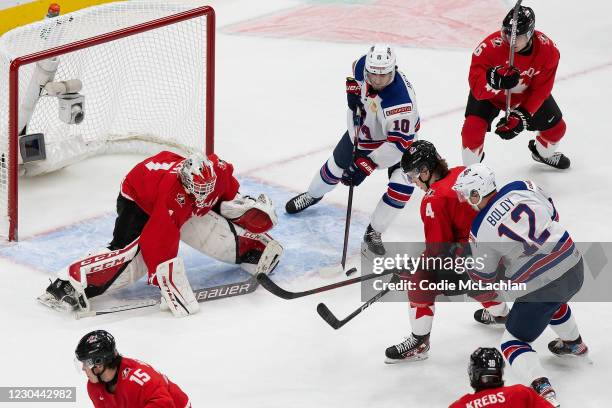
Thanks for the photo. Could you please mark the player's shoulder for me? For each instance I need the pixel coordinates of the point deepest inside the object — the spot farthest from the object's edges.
(444, 187)
(138, 369)
(492, 43)
(461, 402)
(398, 97)
(164, 157)
(220, 165)
(544, 42)
(547, 52)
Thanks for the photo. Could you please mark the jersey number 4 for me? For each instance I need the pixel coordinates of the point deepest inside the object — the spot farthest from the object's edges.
(530, 248)
(429, 211)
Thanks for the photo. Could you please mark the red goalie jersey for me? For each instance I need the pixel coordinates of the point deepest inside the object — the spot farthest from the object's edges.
(138, 386)
(538, 68)
(155, 186)
(513, 396)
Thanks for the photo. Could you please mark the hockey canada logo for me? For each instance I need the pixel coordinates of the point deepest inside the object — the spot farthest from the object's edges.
(180, 199)
(126, 373)
(497, 42)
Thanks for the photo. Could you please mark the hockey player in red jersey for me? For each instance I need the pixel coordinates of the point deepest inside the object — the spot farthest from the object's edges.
(446, 223)
(530, 82)
(163, 200)
(486, 371)
(115, 381)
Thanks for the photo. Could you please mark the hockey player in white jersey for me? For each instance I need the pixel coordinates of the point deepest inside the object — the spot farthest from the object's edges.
(517, 230)
(389, 125)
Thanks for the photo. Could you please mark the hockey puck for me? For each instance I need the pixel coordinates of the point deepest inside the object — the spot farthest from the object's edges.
(351, 271)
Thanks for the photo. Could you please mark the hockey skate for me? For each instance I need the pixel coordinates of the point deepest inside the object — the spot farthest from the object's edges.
(570, 349)
(557, 160)
(300, 202)
(542, 386)
(60, 296)
(483, 316)
(413, 348)
(373, 240)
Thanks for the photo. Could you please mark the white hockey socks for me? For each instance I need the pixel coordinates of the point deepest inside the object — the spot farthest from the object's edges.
(326, 179)
(175, 288)
(421, 317)
(522, 358)
(564, 324)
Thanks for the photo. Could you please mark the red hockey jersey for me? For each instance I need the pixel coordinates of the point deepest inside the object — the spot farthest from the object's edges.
(537, 69)
(445, 218)
(155, 186)
(138, 386)
(513, 396)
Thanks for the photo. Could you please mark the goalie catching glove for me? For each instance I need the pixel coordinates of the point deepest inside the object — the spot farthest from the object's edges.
(255, 215)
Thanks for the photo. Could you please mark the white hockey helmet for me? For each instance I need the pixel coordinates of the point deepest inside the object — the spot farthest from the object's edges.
(380, 59)
(197, 175)
(475, 180)
(380, 66)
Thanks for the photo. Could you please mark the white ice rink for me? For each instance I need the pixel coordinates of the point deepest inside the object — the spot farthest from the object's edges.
(280, 108)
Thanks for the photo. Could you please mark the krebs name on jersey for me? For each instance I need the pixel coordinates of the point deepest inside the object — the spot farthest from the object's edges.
(498, 212)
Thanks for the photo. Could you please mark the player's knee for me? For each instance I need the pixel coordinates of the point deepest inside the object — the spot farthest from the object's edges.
(343, 152)
(473, 131)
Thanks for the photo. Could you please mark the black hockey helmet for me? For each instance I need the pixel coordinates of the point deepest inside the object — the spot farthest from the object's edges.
(486, 369)
(525, 22)
(420, 156)
(97, 347)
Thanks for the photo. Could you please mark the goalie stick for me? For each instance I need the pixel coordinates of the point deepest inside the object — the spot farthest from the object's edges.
(201, 295)
(273, 288)
(333, 321)
(511, 52)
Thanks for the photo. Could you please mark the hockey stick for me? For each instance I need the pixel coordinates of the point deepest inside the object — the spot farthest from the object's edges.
(336, 270)
(511, 56)
(273, 288)
(333, 321)
(201, 295)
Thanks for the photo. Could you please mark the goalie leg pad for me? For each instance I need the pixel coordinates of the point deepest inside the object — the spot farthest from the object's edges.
(106, 270)
(175, 288)
(217, 237)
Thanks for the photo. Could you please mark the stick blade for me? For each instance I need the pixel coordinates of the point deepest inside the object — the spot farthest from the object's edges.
(328, 316)
(265, 281)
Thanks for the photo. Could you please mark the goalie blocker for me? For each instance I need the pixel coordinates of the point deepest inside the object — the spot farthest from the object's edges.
(163, 200)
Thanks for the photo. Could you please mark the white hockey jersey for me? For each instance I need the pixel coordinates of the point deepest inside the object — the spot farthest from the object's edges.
(391, 118)
(520, 227)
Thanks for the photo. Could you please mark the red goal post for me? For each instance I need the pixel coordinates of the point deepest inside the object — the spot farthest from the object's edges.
(147, 82)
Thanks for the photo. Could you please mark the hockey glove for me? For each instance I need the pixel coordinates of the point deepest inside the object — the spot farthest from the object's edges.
(361, 168)
(353, 94)
(503, 77)
(518, 120)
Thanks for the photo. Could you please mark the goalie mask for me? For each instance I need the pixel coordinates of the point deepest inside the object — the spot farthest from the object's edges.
(198, 176)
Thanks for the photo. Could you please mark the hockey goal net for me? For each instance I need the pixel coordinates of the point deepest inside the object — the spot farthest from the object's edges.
(134, 76)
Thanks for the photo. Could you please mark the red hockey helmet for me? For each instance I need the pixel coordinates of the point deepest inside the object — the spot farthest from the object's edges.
(197, 175)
